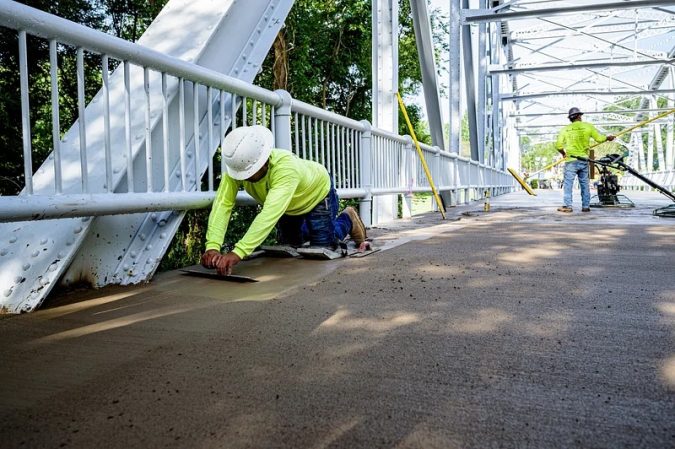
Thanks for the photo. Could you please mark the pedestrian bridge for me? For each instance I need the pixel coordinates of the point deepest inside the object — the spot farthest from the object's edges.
(516, 327)
(504, 325)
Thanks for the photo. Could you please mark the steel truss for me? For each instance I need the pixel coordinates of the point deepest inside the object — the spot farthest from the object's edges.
(613, 59)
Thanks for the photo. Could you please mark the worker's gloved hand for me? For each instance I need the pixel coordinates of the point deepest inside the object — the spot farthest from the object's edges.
(225, 263)
(364, 246)
(610, 137)
(209, 258)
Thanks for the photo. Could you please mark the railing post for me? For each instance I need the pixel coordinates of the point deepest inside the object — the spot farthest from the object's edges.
(408, 176)
(437, 177)
(366, 173)
(282, 121)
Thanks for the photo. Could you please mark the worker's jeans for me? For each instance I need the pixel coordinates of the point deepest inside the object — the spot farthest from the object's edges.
(572, 170)
(321, 226)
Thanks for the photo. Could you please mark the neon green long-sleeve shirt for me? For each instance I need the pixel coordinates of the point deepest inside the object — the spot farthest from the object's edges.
(575, 139)
(292, 186)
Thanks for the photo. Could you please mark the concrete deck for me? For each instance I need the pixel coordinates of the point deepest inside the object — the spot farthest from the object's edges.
(521, 328)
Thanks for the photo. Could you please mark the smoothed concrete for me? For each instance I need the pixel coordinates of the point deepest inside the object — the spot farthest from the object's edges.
(518, 328)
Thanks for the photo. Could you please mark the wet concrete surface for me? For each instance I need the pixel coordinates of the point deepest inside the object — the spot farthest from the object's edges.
(520, 328)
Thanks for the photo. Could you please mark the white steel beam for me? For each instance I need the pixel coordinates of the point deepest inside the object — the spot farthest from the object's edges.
(554, 67)
(454, 70)
(521, 97)
(489, 15)
(624, 111)
(385, 86)
(470, 87)
(425, 50)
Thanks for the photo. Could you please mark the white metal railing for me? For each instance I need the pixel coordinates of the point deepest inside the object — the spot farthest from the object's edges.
(665, 178)
(152, 151)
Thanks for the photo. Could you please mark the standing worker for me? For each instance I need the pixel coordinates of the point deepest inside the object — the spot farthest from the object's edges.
(574, 140)
(297, 196)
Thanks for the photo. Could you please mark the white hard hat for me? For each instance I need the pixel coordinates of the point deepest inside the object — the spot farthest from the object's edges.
(246, 149)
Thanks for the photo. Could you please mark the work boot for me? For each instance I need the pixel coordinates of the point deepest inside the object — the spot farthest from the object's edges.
(564, 209)
(358, 231)
(586, 209)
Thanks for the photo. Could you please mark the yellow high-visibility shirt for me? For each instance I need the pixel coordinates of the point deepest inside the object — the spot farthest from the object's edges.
(575, 139)
(292, 186)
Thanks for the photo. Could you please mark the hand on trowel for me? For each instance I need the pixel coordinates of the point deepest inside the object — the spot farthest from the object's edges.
(223, 263)
(364, 246)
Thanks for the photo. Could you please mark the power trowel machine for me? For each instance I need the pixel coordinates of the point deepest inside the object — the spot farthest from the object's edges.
(608, 187)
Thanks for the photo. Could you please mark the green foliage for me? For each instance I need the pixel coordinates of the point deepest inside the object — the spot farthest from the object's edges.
(535, 157)
(130, 18)
(328, 53)
(39, 82)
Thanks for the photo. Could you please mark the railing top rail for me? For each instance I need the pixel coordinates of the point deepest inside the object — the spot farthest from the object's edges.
(316, 112)
(389, 135)
(24, 18)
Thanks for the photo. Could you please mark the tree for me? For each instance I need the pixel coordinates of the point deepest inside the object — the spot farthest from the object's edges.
(11, 165)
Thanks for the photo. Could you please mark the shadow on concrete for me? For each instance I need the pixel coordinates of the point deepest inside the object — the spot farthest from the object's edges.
(495, 333)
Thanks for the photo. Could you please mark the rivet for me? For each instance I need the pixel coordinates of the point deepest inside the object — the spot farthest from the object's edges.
(18, 279)
(162, 235)
(125, 267)
(3, 252)
(43, 241)
(34, 295)
(60, 255)
(12, 240)
(148, 248)
(52, 267)
(70, 242)
(133, 254)
(35, 253)
(142, 237)
(139, 136)
(44, 281)
(161, 223)
(153, 216)
(77, 230)
(26, 266)
(7, 292)
(116, 170)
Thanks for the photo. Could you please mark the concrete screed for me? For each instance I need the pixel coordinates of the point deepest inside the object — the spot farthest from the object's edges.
(521, 328)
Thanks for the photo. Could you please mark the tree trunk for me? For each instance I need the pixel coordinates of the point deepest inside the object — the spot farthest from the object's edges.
(280, 67)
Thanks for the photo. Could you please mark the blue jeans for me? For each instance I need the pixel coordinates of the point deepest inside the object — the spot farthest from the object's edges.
(573, 169)
(321, 226)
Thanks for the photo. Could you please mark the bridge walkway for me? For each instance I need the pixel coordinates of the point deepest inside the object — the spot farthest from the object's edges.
(517, 328)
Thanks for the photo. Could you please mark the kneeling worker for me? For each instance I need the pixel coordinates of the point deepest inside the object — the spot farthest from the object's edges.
(296, 194)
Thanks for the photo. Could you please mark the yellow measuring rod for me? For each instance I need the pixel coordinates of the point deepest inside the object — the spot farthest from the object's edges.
(421, 155)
